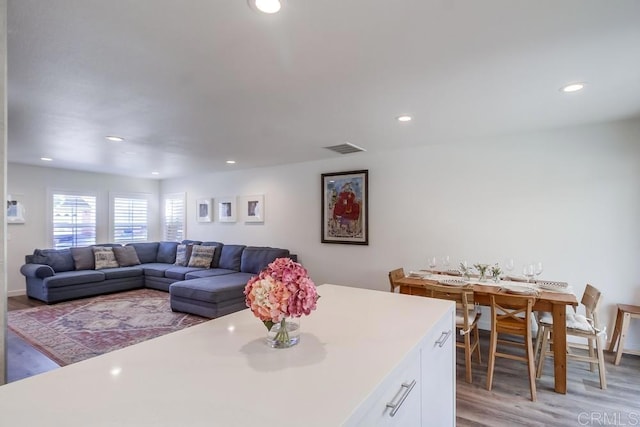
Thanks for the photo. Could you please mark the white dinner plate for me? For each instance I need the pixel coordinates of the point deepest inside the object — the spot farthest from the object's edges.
(419, 273)
(453, 282)
(517, 278)
(519, 290)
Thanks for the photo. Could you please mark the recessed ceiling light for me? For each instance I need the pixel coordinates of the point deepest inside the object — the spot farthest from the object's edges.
(231, 162)
(573, 87)
(404, 118)
(155, 173)
(113, 138)
(266, 6)
(46, 159)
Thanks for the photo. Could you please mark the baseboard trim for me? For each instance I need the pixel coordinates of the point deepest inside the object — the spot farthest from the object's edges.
(16, 293)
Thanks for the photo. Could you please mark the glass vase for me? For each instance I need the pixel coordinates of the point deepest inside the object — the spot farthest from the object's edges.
(285, 333)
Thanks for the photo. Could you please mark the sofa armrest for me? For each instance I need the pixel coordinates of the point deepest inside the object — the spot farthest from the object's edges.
(37, 270)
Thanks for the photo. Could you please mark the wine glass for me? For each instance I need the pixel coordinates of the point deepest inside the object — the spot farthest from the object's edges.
(528, 271)
(446, 261)
(433, 261)
(538, 268)
(508, 265)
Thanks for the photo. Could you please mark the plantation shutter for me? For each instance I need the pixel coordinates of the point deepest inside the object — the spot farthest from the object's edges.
(74, 220)
(174, 218)
(130, 219)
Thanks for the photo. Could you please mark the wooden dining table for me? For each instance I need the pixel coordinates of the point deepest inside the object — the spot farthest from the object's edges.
(554, 302)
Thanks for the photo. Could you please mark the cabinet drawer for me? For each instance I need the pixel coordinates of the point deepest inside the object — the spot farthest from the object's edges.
(397, 400)
(438, 374)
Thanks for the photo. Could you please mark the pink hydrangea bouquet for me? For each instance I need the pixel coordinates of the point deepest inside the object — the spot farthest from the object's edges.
(282, 290)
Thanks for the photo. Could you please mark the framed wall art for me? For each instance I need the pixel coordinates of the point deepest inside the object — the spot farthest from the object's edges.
(253, 209)
(15, 209)
(227, 209)
(345, 212)
(203, 210)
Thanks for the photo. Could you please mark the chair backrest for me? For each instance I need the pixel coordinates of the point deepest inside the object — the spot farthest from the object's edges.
(591, 299)
(394, 275)
(512, 313)
(463, 297)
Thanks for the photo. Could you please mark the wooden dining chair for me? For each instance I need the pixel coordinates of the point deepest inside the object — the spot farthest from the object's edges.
(511, 315)
(467, 317)
(394, 275)
(579, 326)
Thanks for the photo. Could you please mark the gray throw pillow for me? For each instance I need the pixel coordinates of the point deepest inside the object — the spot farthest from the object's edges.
(201, 256)
(83, 258)
(126, 256)
(104, 258)
(183, 253)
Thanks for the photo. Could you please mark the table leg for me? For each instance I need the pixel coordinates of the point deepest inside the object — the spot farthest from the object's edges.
(616, 330)
(560, 348)
(623, 335)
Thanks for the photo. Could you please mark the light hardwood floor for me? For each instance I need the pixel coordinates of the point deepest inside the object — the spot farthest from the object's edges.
(508, 404)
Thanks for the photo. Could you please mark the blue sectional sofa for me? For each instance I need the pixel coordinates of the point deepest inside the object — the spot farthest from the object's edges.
(55, 275)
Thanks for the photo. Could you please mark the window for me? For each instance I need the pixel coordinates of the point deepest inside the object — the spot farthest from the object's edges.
(74, 220)
(129, 218)
(173, 224)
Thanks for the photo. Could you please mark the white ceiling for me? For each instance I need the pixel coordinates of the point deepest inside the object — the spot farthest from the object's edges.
(190, 84)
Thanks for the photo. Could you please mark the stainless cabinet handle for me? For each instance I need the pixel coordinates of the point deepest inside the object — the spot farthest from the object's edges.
(443, 338)
(395, 406)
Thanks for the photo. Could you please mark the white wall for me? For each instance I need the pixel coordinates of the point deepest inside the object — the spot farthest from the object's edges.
(32, 184)
(568, 198)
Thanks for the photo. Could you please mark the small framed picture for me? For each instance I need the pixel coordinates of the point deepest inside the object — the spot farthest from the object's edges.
(227, 209)
(203, 210)
(252, 209)
(345, 212)
(15, 210)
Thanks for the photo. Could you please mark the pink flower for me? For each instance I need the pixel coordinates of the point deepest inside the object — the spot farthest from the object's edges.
(282, 289)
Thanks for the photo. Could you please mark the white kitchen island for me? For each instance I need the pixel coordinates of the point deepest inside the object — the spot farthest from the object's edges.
(360, 350)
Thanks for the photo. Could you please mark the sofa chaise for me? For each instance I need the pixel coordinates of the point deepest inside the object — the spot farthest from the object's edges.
(202, 278)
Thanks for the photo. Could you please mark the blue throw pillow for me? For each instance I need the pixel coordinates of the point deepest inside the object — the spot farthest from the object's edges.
(58, 259)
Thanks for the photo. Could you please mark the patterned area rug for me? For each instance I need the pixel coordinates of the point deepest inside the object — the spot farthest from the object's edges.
(72, 331)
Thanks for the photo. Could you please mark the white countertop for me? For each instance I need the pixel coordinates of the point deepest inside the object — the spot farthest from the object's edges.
(222, 372)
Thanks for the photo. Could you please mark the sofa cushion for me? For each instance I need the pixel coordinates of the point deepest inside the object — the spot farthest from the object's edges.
(104, 257)
(167, 252)
(216, 256)
(156, 269)
(126, 256)
(67, 278)
(201, 256)
(58, 259)
(210, 272)
(83, 258)
(231, 256)
(122, 272)
(178, 272)
(108, 245)
(146, 252)
(255, 259)
(183, 253)
(212, 289)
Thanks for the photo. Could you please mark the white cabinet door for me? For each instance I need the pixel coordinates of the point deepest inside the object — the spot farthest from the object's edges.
(438, 374)
(397, 401)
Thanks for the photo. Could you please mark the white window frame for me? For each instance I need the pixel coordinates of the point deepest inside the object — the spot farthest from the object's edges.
(50, 217)
(112, 226)
(173, 196)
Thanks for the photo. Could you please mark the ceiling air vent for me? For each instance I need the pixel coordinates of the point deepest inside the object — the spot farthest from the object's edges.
(346, 148)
